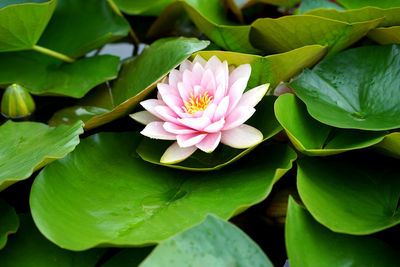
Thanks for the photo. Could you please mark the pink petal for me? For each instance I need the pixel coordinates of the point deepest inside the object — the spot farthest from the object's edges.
(213, 64)
(185, 65)
(144, 117)
(221, 109)
(156, 130)
(166, 90)
(236, 92)
(184, 90)
(253, 96)
(241, 137)
(175, 153)
(175, 103)
(150, 105)
(210, 142)
(210, 111)
(208, 81)
(166, 114)
(219, 94)
(200, 60)
(177, 129)
(196, 123)
(198, 69)
(243, 71)
(188, 140)
(191, 78)
(238, 117)
(174, 77)
(282, 88)
(222, 75)
(215, 127)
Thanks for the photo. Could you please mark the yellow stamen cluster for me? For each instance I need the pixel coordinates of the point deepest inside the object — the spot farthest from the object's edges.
(197, 103)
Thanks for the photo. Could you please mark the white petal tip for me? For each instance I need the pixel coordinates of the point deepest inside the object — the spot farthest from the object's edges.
(175, 154)
(241, 137)
(144, 117)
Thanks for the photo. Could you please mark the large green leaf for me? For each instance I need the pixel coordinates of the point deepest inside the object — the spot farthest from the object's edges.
(43, 75)
(310, 244)
(391, 145)
(28, 248)
(350, 197)
(264, 120)
(272, 69)
(9, 222)
(290, 32)
(385, 35)
(84, 26)
(391, 16)
(355, 4)
(209, 17)
(214, 242)
(314, 138)
(307, 5)
(23, 22)
(144, 8)
(27, 146)
(137, 79)
(84, 200)
(358, 88)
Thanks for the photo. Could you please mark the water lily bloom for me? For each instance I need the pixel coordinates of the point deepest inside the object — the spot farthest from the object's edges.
(201, 105)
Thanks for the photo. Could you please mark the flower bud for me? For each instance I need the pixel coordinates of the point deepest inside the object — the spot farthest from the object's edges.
(17, 102)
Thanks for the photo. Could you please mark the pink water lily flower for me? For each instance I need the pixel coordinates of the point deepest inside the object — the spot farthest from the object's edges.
(201, 105)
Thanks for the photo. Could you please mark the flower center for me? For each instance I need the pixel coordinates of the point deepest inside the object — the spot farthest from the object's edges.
(197, 103)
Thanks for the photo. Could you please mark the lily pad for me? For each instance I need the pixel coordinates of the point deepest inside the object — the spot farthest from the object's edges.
(314, 138)
(355, 4)
(214, 242)
(43, 75)
(310, 244)
(277, 35)
(9, 222)
(391, 15)
(308, 5)
(94, 24)
(350, 197)
(143, 8)
(208, 16)
(28, 146)
(141, 203)
(390, 145)
(356, 89)
(385, 35)
(263, 119)
(272, 69)
(22, 23)
(29, 248)
(136, 80)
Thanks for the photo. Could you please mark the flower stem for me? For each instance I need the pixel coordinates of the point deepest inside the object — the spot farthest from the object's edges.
(52, 53)
(119, 13)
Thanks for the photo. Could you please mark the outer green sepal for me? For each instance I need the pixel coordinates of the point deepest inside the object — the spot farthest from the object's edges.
(17, 102)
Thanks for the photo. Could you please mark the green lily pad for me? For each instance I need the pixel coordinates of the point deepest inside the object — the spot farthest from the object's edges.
(141, 203)
(263, 119)
(276, 35)
(28, 146)
(85, 25)
(136, 80)
(202, 245)
(314, 138)
(355, 4)
(308, 5)
(390, 145)
(272, 69)
(9, 222)
(350, 197)
(385, 35)
(143, 8)
(356, 89)
(43, 75)
(391, 16)
(310, 244)
(29, 248)
(23, 22)
(209, 18)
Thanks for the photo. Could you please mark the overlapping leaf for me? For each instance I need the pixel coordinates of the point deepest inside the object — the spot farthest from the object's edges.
(214, 242)
(355, 4)
(391, 145)
(28, 146)
(350, 197)
(310, 244)
(356, 89)
(307, 5)
(385, 35)
(314, 138)
(29, 248)
(9, 222)
(84, 201)
(143, 8)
